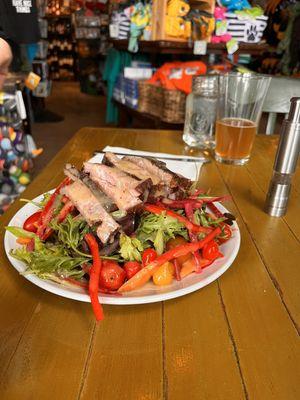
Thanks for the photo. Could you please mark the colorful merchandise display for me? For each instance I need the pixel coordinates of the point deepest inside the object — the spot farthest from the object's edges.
(16, 158)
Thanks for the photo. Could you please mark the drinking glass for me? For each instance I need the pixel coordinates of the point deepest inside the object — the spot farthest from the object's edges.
(241, 97)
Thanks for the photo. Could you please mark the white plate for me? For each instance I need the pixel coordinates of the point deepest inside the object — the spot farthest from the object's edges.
(148, 293)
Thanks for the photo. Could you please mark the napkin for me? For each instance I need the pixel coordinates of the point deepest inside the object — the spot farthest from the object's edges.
(188, 169)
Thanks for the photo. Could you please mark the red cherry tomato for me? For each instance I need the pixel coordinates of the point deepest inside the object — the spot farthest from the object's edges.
(226, 233)
(148, 256)
(31, 223)
(211, 251)
(112, 276)
(131, 268)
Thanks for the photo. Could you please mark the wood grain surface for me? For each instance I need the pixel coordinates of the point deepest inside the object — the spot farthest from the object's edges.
(236, 339)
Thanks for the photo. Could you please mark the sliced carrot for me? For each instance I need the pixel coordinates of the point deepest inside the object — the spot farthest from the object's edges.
(142, 277)
(25, 241)
(190, 266)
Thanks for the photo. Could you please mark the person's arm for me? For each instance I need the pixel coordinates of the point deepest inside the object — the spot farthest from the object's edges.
(5, 58)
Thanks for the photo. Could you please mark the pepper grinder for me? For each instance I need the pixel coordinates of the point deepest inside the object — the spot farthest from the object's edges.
(285, 162)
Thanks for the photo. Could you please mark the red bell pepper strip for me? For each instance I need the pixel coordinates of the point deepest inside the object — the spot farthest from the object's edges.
(177, 269)
(140, 278)
(215, 209)
(193, 237)
(189, 225)
(208, 199)
(182, 203)
(94, 276)
(67, 209)
(30, 246)
(48, 210)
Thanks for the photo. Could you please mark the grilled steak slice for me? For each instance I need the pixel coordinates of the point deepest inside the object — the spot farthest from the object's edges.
(91, 210)
(122, 188)
(76, 175)
(158, 168)
(129, 167)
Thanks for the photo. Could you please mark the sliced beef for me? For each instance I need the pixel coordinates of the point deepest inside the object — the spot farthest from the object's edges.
(124, 190)
(91, 210)
(158, 168)
(76, 175)
(129, 168)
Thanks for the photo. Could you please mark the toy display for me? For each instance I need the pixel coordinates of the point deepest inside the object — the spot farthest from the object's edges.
(234, 5)
(140, 17)
(16, 160)
(176, 25)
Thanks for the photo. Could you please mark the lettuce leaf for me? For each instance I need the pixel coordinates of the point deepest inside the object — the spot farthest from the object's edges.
(50, 259)
(156, 230)
(130, 248)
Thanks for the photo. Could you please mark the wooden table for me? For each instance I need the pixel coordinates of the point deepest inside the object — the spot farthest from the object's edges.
(237, 338)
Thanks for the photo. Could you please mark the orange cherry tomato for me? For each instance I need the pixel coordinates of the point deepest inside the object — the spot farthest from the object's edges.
(164, 275)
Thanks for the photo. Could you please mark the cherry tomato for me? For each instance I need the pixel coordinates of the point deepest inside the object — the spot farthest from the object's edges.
(211, 251)
(31, 223)
(112, 276)
(131, 268)
(148, 256)
(226, 233)
(164, 275)
(177, 241)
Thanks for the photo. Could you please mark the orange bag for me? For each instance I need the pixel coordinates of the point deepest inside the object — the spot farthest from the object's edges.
(178, 75)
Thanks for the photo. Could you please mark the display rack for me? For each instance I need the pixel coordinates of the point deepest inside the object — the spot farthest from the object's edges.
(61, 52)
(171, 47)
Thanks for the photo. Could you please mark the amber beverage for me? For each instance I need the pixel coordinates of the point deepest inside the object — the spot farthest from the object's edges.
(234, 139)
(240, 103)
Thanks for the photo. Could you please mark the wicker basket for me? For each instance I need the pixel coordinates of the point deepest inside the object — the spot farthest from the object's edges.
(150, 98)
(173, 106)
(168, 105)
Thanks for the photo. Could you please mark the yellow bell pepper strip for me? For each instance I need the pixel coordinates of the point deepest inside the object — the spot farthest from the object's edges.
(94, 276)
(154, 209)
(140, 278)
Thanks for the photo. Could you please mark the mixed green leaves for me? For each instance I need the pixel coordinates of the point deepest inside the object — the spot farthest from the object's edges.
(60, 256)
(71, 233)
(130, 248)
(202, 218)
(39, 204)
(50, 260)
(156, 230)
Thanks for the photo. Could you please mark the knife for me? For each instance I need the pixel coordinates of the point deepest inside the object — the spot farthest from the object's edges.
(187, 159)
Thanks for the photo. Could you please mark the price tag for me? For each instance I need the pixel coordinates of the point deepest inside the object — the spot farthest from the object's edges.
(200, 47)
(232, 46)
(113, 31)
(32, 80)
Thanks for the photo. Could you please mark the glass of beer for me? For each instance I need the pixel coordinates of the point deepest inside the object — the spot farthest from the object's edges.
(241, 98)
